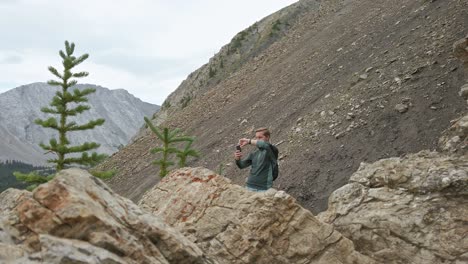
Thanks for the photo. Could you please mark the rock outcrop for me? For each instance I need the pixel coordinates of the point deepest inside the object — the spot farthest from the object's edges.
(406, 210)
(233, 225)
(455, 139)
(399, 210)
(76, 218)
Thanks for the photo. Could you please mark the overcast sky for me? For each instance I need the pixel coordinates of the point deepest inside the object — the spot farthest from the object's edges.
(147, 47)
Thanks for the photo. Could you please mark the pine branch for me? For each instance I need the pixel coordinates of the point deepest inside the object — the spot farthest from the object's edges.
(80, 74)
(85, 159)
(62, 55)
(182, 139)
(90, 125)
(69, 48)
(153, 128)
(48, 148)
(165, 137)
(57, 101)
(157, 150)
(33, 177)
(72, 83)
(81, 59)
(192, 153)
(49, 110)
(55, 72)
(83, 147)
(172, 150)
(54, 83)
(52, 160)
(86, 91)
(67, 64)
(77, 110)
(72, 47)
(174, 132)
(50, 123)
(67, 75)
(67, 97)
(187, 152)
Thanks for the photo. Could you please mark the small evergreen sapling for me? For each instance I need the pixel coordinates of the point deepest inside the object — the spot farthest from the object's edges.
(169, 138)
(66, 104)
(185, 153)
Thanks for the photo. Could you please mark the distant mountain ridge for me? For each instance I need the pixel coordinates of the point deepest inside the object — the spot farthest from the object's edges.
(20, 106)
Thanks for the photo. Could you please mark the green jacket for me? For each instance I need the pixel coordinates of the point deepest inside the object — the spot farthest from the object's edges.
(261, 172)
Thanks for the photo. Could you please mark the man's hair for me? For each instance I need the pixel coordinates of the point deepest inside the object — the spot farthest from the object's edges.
(265, 131)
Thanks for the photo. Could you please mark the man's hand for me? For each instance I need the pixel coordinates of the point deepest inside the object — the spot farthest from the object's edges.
(237, 155)
(243, 141)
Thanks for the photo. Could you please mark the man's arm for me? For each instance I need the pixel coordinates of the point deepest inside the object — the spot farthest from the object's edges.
(258, 143)
(242, 164)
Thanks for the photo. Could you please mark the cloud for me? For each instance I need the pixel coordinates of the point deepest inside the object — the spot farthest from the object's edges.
(32, 68)
(144, 46)
(147, 88)
(10, 59)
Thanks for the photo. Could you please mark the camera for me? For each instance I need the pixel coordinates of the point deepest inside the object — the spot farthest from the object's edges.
(238, 147)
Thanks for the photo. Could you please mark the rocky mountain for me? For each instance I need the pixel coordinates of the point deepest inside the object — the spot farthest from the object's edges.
(349, 82)
(19, 107)
(243, 47)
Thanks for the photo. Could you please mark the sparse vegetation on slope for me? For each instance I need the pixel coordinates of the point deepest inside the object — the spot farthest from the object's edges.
(170, 139)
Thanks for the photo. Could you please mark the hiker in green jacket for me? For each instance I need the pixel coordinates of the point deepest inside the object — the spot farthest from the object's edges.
(261, 173)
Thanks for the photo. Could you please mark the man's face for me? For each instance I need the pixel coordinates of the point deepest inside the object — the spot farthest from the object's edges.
(260, 136)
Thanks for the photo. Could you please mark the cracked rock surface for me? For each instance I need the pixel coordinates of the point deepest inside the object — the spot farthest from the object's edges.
(76, 218)
(406, 210)
(233, 225)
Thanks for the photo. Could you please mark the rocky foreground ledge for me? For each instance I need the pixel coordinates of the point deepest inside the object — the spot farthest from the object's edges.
(76, 218)
(233, 225)
(406, 210)
(399, 210)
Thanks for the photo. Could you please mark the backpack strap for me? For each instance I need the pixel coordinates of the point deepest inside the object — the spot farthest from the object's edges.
(274, 149)
(274, 160)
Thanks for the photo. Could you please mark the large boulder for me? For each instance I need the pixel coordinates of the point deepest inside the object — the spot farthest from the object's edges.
(76, 218)
(233, 225)
(406, 210)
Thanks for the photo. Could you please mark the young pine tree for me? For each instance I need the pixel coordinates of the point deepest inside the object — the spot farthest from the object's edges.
(185, 153)
(66, 104)
(168, 138)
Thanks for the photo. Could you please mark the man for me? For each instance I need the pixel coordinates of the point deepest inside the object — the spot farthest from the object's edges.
(262, 161)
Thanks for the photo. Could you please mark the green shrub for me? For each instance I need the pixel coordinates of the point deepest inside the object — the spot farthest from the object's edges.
(169, 139)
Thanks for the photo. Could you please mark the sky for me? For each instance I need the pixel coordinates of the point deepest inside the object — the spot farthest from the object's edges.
(147, 47)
